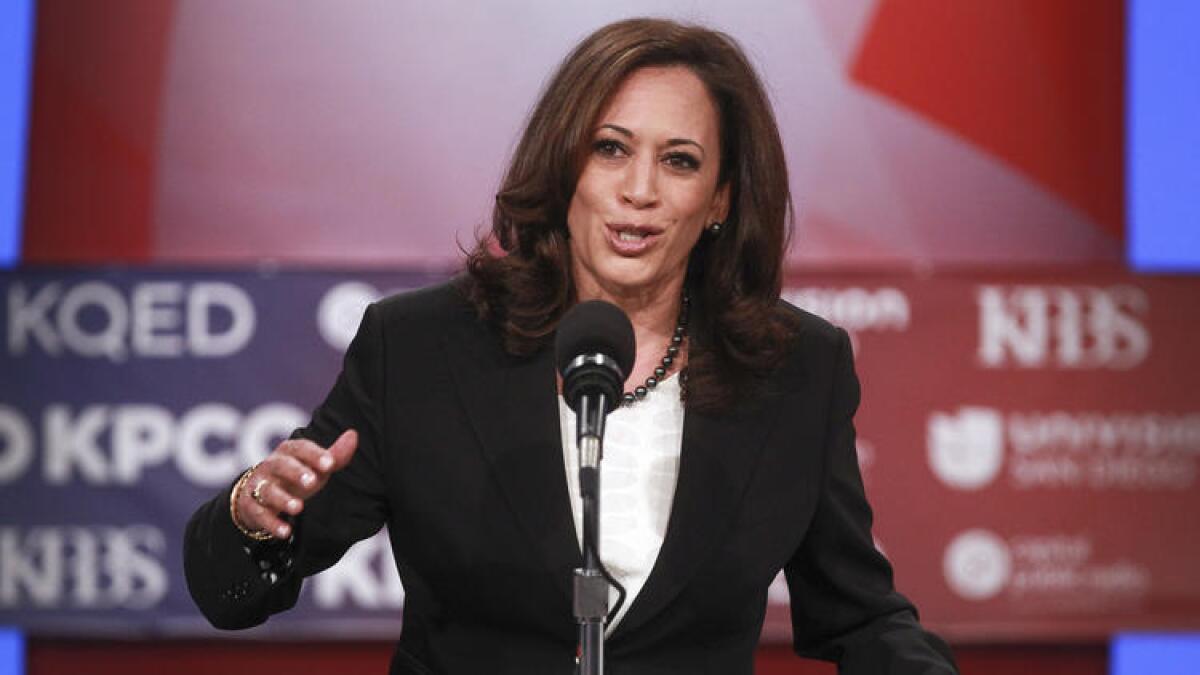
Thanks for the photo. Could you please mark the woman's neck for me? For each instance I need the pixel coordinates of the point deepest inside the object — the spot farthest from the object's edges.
(654, 314)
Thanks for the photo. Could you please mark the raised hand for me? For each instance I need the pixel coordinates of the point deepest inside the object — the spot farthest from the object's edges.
(294, 471)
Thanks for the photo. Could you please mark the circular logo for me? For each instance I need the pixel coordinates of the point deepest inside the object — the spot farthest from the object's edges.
(966, 449)
(341, 310)
(977, 564)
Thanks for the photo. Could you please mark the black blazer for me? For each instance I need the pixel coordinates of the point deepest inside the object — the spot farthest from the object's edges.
(460, 455)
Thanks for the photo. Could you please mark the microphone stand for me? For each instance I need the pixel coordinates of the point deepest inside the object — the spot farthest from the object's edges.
(591, 588)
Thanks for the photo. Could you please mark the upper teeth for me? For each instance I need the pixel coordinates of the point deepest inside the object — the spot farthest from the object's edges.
(630, 236)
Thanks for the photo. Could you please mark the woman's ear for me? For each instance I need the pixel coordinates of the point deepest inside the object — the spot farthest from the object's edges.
(719, 211)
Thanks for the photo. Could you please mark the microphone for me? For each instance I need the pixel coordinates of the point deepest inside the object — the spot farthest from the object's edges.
(594, 350)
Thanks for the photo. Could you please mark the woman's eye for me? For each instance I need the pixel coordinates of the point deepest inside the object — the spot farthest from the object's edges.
(682, 160)
(608, 148)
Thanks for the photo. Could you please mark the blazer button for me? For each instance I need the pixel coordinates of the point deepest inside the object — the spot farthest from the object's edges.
(237, 591)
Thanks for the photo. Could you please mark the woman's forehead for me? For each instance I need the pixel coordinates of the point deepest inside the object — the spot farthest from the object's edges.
(668, 100)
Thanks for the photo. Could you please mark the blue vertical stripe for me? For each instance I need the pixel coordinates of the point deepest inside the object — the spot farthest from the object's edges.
(12, 651)
(1155, 654)
(16, 57)
(1162, 166)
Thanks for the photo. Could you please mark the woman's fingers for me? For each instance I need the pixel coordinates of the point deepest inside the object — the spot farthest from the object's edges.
(264, 519)
(260, 502)
(343, 449)
(275, 499)
(299, 478)
(294, 471)
(312, 455)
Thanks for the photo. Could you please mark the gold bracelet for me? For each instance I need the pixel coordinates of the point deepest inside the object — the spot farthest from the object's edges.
(256, 535)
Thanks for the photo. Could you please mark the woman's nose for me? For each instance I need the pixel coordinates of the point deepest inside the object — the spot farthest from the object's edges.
(640, 187)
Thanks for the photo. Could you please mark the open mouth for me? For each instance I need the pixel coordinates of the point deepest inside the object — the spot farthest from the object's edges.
(632, 240)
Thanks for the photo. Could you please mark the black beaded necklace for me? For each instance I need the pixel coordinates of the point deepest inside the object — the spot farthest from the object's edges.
(668, 360)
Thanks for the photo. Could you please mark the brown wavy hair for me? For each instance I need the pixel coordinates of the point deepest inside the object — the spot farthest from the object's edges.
(519, 275)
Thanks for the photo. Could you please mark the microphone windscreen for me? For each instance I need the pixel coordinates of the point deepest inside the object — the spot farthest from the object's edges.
(595, 327)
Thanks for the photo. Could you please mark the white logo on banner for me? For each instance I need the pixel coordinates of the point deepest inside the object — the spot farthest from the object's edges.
(1057, 571)
(855, 309)
(86, 567)
(16, 443)
(865, 451)
(1065, 327)
(114, 445)
(1069, 450)
(158, 319)
(966, 449)
(977, 564)
(365, 577)
(341, 310)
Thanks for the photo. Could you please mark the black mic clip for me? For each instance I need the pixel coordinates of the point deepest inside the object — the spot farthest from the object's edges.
(592, 386)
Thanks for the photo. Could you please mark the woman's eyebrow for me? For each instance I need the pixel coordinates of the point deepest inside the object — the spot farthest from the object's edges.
(671, 142)
(620, 130)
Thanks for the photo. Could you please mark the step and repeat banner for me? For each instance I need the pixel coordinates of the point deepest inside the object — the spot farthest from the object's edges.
(1030, 442)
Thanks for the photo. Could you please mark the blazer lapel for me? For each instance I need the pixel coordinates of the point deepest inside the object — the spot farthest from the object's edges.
(716, 463)
(512, 405)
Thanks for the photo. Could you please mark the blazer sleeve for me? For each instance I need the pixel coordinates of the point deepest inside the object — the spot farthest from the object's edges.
(843, 603)
(232, 579)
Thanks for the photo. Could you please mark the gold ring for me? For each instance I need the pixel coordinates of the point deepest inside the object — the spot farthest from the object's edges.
(256, 491)
(256, 535)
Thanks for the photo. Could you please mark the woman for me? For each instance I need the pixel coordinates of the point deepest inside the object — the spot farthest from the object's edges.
(650, 175)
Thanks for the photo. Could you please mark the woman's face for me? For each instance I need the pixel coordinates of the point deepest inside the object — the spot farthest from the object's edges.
(648, 187)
